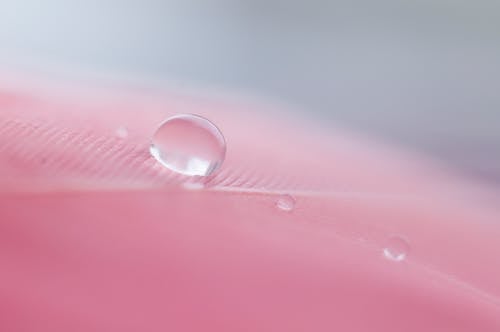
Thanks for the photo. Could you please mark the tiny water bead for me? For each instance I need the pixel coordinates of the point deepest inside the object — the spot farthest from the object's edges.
(189, 144)
(121, 132)
(285, 203)
(396, 249)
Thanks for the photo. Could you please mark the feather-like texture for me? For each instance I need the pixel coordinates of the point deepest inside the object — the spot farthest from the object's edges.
(96, 236)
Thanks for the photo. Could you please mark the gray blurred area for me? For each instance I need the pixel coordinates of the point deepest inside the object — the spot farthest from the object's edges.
(424, 74)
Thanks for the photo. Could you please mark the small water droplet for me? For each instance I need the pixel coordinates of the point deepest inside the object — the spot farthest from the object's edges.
(361, 240)
(189, 144)
(396, 249)
(121, 132)
(285, 203)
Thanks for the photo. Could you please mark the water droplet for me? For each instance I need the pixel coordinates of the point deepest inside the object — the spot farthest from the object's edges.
(189, 144)
(396, 249)
(285, 203)
(361, 240)
(121, 132)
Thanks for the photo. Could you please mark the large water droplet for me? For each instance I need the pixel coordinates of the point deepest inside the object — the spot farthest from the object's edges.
(285, 203)
(189, 144)
(396, 249)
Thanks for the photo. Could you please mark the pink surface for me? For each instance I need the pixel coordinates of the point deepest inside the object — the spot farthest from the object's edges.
(96, 236)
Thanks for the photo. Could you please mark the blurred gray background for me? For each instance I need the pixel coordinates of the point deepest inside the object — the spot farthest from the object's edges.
(425, 74)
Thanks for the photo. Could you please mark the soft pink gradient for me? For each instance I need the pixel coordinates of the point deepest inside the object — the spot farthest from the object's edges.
(96, 236)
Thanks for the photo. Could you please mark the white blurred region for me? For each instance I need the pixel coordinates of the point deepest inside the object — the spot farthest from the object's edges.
(425, 74)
